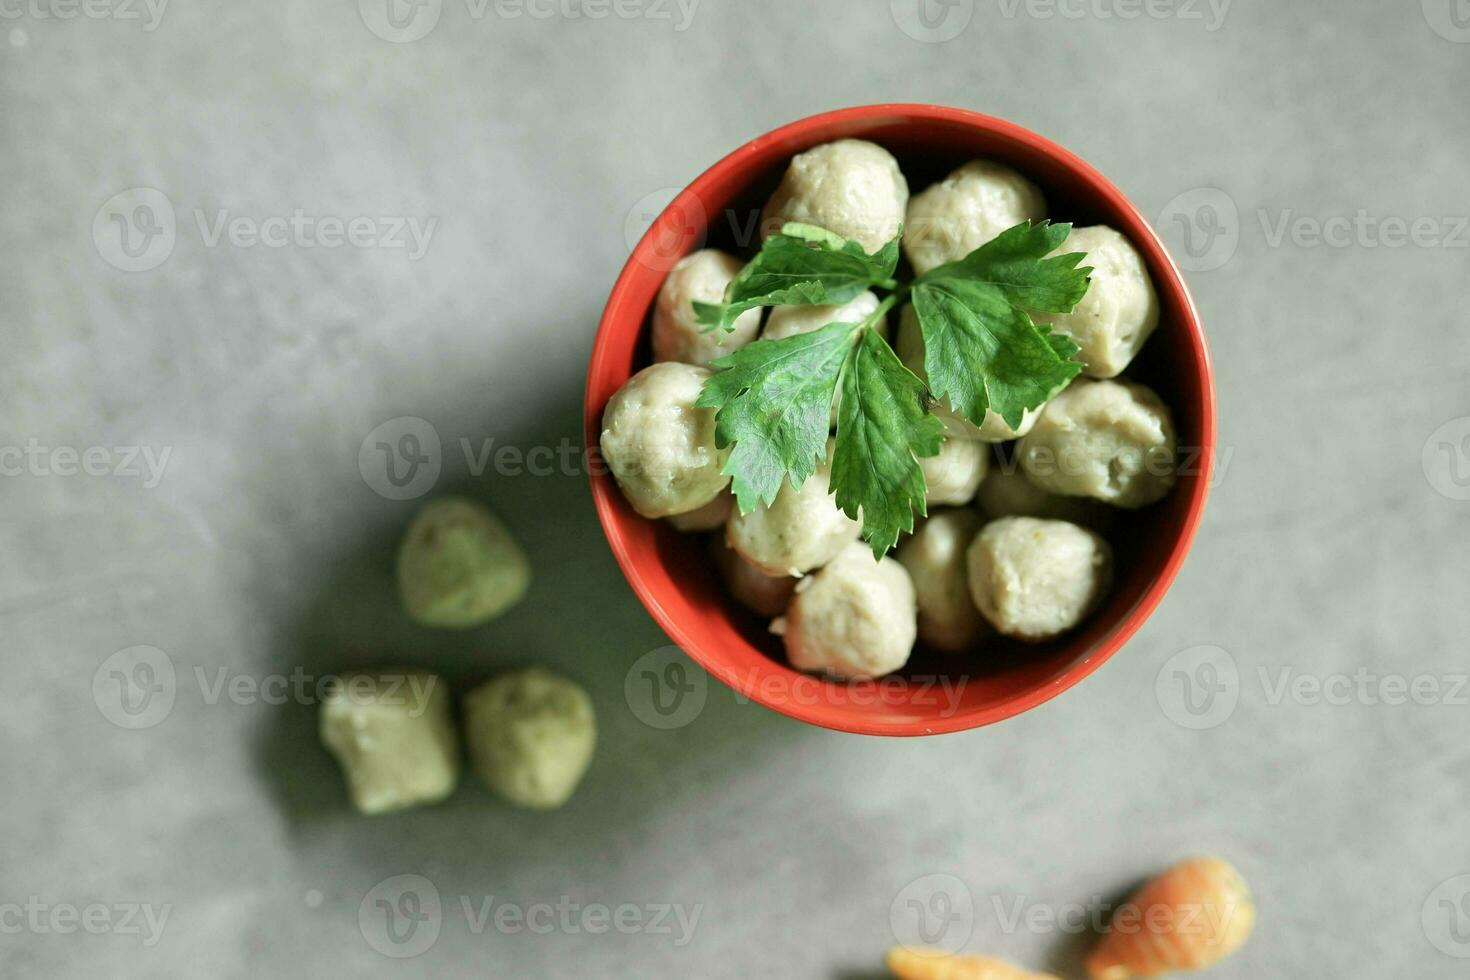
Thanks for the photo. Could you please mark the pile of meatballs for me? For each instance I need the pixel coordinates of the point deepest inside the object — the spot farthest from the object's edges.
(1012, 544)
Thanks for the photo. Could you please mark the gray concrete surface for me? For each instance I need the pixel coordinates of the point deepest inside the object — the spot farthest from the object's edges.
(1331, 566)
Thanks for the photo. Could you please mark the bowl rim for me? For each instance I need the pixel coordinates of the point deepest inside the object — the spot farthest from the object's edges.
(1098, 187)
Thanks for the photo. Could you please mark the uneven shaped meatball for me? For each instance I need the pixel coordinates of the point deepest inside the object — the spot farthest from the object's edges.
(677, 336)
(935, 558)
(531, 735)
(855, 619)
(949, 220)
(659, 447)
(954, 475)
(852, 188)
(391, 732)
(765, 595)
(1006, 492)
(1110, 440)
(712, 515)
(1120, 309)
(1035, 579)
(459, 566)
(802, 530)
(789, 321)
(910, 349)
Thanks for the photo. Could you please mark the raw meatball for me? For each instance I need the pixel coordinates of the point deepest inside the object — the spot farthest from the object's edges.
(910, 350)
(1110, 440)
(1120, 309)
(660, 448)
(949, 220)
(855, 619)
(852, 188)
(788, 321)
(391, 733)
(1035, 579)
(765, 595)
(935, 559)
(802, 530)
(531, 735)
(677, 336)
(1006, 492)
(954, 475)
(459, 567)
(706, 518)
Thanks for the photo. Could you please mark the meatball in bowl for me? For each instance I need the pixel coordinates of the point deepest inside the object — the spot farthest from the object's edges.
(1040, 539)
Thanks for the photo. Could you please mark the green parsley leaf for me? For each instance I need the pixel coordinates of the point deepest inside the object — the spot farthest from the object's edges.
(982, 350)
(883, 424)
(800, 265)
(775, 399)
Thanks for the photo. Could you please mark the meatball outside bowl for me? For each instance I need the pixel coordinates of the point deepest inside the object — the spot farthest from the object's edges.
(673, 573)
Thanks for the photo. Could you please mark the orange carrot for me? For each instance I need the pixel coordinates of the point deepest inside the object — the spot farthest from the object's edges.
(931, 964)
(1188, 917)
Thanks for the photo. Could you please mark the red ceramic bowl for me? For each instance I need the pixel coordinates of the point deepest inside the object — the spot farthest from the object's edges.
(672, 573)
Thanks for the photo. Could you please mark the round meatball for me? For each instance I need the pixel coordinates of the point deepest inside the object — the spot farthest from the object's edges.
(802, 530)
(659, 446)
(910, 349)
(459, 566)
(935, 558)
(677, 336)
(852, 188)
(1006, 492)
(765, 595)
(1035, 579)
(531, 735)
(788, 321)
(954, 475)
(1120, 308)
(855, 619)
(712, 515)
(1110, 440)
(949, 220)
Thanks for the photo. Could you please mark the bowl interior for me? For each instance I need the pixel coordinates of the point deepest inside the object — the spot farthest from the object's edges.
(672, 572)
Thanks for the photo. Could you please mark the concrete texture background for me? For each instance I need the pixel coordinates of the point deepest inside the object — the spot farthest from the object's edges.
(1332, 555)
